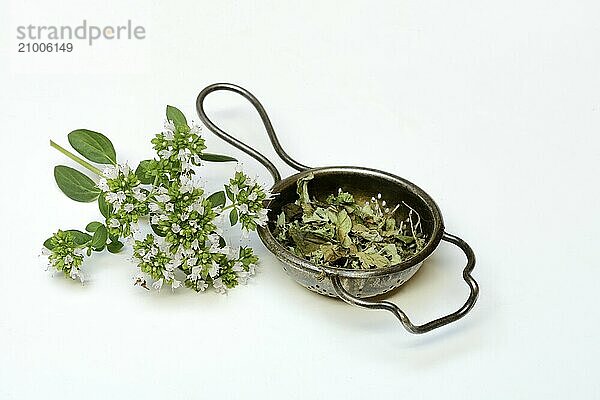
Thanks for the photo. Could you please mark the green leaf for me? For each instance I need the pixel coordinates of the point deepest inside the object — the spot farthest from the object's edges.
(230, 195)
(99, 238)
(144, 171)
(216, 157)
(319, 215)
(157, 231)
(93, 145)
(372, 259)
(367, 234)
(48, 243)
(392, 251)
(176, 116)
(292, 211)
(306, 242)
(331, 252)
(344, 225)
(366, 211)
(280, 221)
(405, 239)
(75, 185)
(93, 226)
(390, 224)
(217, 199)
(233, 217)
(80, 238)
(104, 206)
(114, 247)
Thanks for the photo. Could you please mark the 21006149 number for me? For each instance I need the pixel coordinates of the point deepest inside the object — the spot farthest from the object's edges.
(36, 47)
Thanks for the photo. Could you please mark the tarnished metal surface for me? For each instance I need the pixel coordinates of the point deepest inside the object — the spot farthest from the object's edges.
(363, 183)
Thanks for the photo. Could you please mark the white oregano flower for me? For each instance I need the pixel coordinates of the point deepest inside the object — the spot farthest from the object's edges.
(184, 244)
(103, 185)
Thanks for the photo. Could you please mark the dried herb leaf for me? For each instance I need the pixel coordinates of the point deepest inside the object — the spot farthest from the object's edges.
(280, 223)
(372, 259)
(344, 225)
(292, 211)
(342, 233)
(302, 188)
(306, 242)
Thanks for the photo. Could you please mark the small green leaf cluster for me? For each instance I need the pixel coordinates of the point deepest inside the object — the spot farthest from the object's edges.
(179, 146)
(247, 197)
(153, 258)
(220, 266)
(65, 252)
(181, 214)
(126, 199)
(186, 247)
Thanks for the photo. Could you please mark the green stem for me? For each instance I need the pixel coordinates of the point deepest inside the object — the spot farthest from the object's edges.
(78, 160)
(228, 207)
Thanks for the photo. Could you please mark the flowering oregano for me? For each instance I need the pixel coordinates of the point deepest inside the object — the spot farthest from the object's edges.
(184, 246)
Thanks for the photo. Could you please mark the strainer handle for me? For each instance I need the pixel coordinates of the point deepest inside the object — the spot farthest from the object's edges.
(236, 143)
(394, 309)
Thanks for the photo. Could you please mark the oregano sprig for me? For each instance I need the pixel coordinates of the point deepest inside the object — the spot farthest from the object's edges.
(184, 246)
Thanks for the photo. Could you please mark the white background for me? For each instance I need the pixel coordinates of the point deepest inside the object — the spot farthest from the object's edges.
(492, 107)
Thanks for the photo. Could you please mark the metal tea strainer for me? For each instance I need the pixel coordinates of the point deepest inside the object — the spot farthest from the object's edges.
(351, 285)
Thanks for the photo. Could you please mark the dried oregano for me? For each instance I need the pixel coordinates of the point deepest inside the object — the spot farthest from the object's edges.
(183, 244)
(339, 232)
